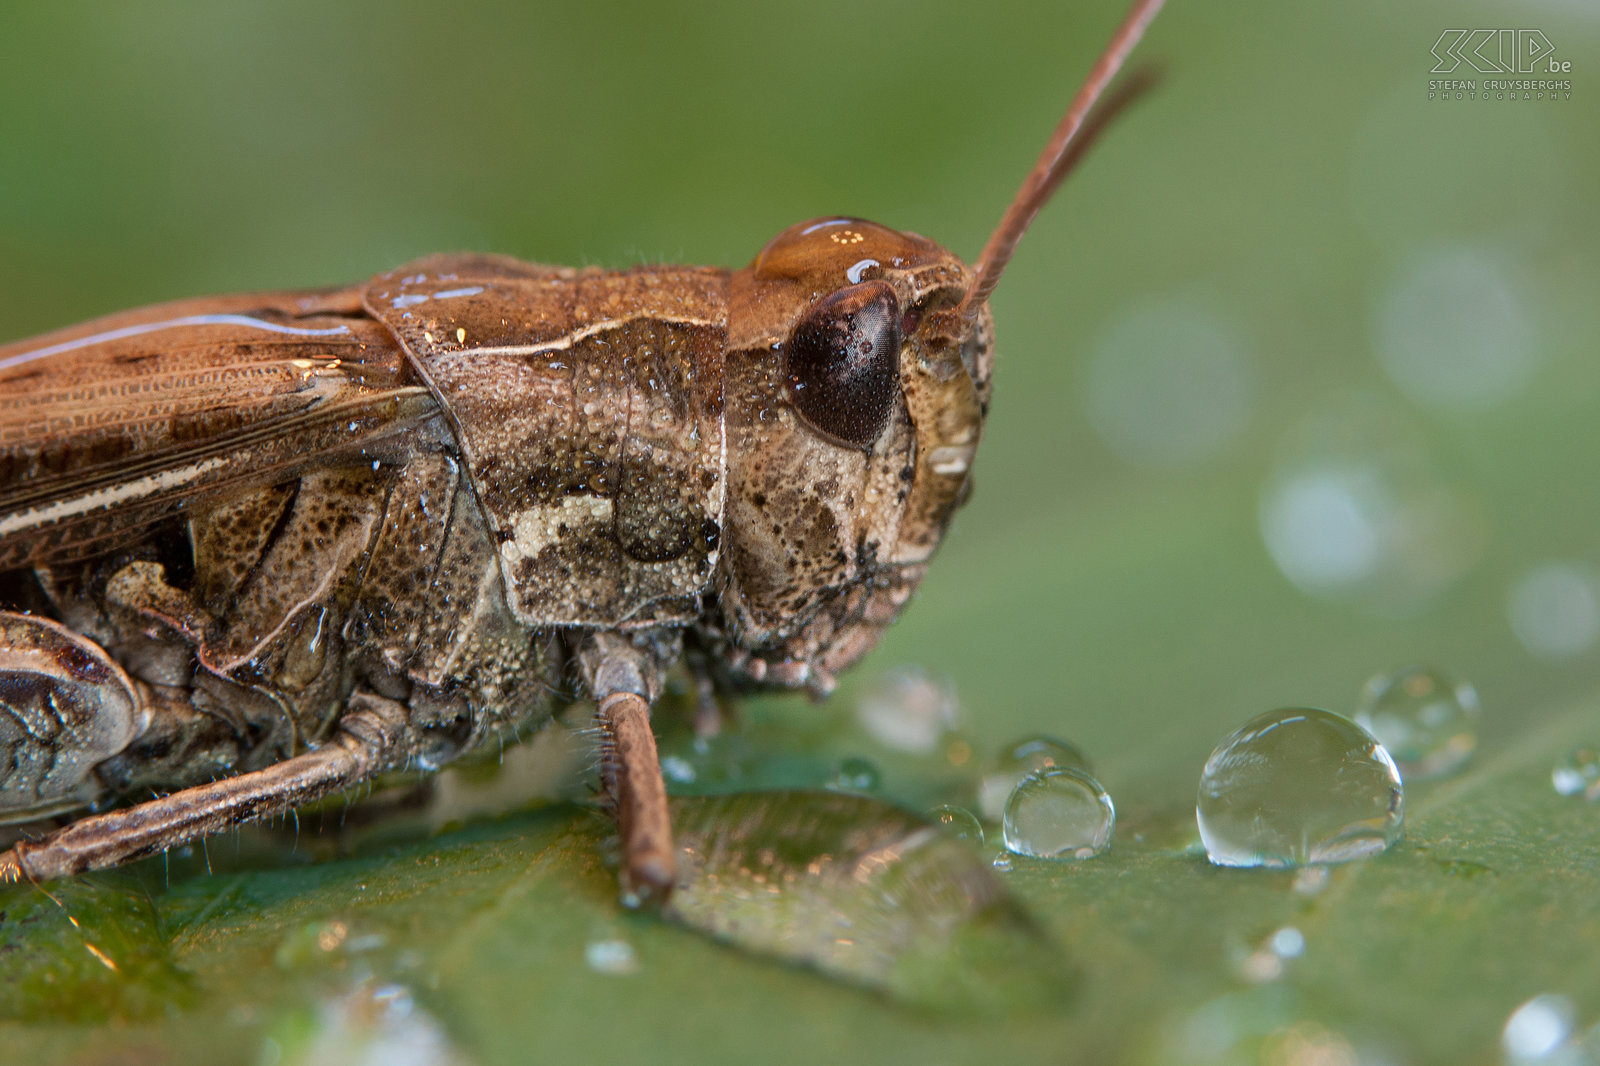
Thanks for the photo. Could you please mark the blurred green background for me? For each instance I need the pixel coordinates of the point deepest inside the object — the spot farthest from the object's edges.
(1297, 382)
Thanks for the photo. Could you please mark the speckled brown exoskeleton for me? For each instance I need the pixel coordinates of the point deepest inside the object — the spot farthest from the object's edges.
(256, 549)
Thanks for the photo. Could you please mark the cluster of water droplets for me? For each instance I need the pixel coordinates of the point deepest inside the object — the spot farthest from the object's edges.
(1040, 791)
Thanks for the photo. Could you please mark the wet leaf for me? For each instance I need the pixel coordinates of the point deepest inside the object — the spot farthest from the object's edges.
(865, 893)
(1288, 185)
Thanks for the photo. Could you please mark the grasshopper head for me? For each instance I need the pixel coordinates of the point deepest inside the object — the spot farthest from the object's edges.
(878, 359)
(855, 391)
(855, 394)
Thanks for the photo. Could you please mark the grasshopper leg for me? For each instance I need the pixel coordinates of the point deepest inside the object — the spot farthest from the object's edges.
(363, 746)
(624, 674)
(631, 772)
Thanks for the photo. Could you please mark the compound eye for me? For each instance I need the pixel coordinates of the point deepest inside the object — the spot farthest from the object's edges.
(843, 363)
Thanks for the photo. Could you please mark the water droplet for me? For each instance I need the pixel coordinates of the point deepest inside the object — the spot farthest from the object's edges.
(1298, 786)
(909, 709)
(1170, 384)
(958, 822)
(1578, 773)
(1018, 761)
(1428, 723)
(612, 956)
(1061, 813)
(1538, 1028)
(856, 774)
(1555, 610)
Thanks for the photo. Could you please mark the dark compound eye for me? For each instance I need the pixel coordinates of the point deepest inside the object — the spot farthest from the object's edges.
(843, 363)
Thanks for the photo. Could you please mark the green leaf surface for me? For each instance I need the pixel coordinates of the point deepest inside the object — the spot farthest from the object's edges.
(1290, 196)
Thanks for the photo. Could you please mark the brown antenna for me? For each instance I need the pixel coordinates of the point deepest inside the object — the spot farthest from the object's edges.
(1072, 138)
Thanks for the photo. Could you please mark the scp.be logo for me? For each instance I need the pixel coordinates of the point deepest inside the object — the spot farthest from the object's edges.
(1497, 52)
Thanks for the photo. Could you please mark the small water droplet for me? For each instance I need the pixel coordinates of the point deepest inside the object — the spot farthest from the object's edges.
(1427, 722)
(1538, 1028)
(1298, 786)
(612, 957)
(1060, 813)
(1578, 773)
(958, 822)
(856, 775)
(1002, 862)
(909, 709)
(1018, 761)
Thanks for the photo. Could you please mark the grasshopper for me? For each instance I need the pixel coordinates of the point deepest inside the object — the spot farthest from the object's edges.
(256, 549)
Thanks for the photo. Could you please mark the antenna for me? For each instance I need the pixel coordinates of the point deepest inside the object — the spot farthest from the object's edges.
(1073, 136)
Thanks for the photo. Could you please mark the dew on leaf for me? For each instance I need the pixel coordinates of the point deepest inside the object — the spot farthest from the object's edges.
(1428, 723)
(1298, 786)
(1018, 760)
(1059, 813)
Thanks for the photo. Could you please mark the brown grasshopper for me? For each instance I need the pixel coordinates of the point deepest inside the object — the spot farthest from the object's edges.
(255, 549)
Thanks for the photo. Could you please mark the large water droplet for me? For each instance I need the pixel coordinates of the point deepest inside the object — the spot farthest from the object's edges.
(1060, 813)
(1578, 773)
(909, 710)
(1428, 723)
(1018, 761)
(1298, 786)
